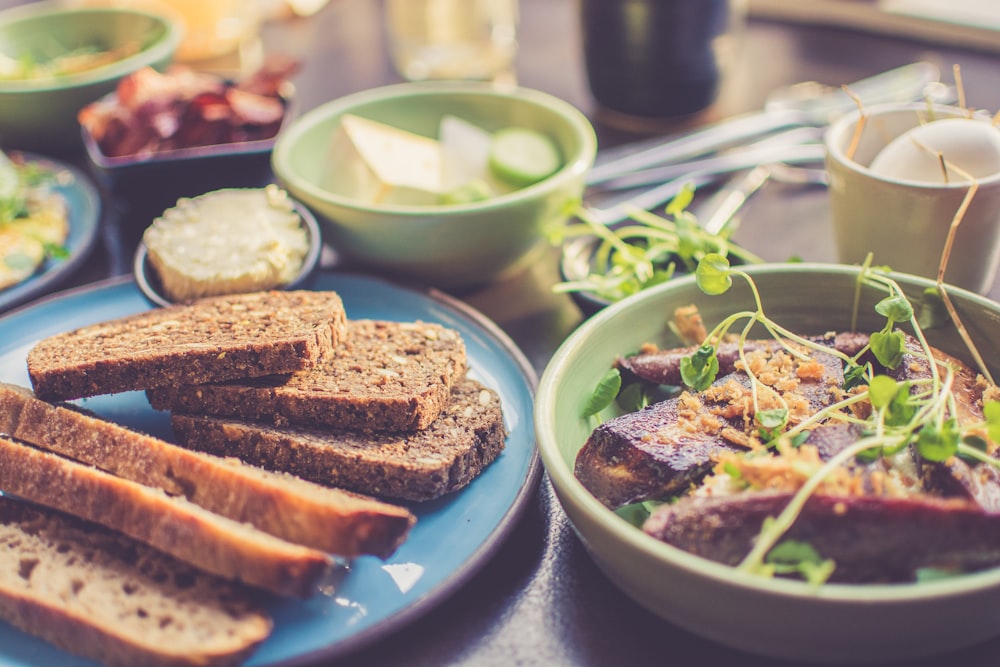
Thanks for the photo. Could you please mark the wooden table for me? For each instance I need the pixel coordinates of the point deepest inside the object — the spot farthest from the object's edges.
(541, 600)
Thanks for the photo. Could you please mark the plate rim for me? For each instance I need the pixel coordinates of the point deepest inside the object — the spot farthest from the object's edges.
(478, 558)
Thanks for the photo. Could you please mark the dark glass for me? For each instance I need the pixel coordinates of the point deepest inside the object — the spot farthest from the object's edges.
(652, 58)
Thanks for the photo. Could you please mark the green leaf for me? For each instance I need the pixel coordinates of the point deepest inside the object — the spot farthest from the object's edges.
(991, 410)
(797, 557)
(932, 313)
(772, 419)
(938, 444)
(881, 390)
(855, 376)
(973, 442)
(713, 274)
(896, 308)
(699, 370)
(604, 393)
(888, 347)
(632, 397)
(682, 200)
(800, 438)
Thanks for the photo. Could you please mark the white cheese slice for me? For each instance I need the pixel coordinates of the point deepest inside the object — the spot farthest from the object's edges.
(380, 164)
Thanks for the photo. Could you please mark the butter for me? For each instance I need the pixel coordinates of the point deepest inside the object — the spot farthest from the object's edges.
(227, 241)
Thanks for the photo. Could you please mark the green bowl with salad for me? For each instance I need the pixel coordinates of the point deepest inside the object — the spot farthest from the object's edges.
(802, 614)
(55, 59)
(452, 184)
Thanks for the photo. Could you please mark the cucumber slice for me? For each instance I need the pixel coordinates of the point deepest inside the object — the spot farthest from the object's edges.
(523, 157)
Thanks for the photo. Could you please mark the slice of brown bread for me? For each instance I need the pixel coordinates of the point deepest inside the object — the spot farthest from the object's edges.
(218, 338)
(386, 376)
(283, 505)
(175, 526)
(467, 436)
(101, 595)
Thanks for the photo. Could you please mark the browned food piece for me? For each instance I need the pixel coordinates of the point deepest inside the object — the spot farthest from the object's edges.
(386, 376)
(175, 526)
(103, 596)
(664, 366)
(646, 455)
(870, 538)
(662, 450)
(420, 465)
(153, 112)
(213, 339)
(282, 505)
(953, 477)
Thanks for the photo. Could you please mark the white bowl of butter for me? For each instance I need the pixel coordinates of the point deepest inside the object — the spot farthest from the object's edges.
(225, 242)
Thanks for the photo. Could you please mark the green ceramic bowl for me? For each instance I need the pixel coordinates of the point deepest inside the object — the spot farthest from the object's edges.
(445, 246)
(779, 618)
(40, 114)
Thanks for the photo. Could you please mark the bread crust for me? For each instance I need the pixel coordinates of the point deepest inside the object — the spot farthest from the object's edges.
(173, 525)
(420, 465)
(103, 596)
(213, 339)
(285, 506)
(385, 376)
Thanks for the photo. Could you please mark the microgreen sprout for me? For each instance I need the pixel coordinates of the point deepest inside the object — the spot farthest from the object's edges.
(648, 250)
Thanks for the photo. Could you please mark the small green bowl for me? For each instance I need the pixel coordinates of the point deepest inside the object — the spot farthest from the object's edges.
(40, 114)
(454, 246)
(778, 618)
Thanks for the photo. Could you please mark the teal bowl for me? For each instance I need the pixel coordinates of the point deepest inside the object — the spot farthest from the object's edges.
(40, 114)
(780, 618)
(447, 246)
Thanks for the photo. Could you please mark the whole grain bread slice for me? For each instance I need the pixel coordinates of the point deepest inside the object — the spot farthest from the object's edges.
(283, 505)
(420, 465)
(173, 525)
(103, 596)
(218, 338)
(386, 376)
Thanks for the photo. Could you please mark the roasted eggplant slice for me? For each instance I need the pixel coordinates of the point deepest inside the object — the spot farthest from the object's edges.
(869, 538)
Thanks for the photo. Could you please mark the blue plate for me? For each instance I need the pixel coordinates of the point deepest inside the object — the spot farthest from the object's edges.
(84, 205)
(453, 536)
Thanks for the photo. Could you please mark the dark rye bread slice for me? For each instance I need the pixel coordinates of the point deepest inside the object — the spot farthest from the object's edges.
(420, 465)
(175, 526)
(101, 595)
(218, 338)
(283, 505)
(386, 376)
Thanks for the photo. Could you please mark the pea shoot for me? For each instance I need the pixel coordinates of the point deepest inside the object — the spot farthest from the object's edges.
(649, 250)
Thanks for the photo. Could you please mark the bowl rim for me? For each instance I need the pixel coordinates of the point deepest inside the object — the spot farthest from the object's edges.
(575, 166)
(571, 490)
(142, 270)
(158, 50)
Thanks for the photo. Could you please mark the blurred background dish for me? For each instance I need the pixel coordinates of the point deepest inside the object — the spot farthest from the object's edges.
(75, 56)
(149, 283)
(453, 245)
(83, 205)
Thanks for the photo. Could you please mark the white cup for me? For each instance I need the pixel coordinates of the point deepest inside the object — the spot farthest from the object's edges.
(904, 224)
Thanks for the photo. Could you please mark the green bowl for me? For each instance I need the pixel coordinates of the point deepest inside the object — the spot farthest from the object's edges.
(445, 246)
(41, 114)
(778, 618)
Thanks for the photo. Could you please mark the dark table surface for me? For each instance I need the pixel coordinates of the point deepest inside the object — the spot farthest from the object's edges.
(540, 600)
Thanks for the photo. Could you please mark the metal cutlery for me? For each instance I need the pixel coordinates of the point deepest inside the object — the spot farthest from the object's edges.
(903, 84)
